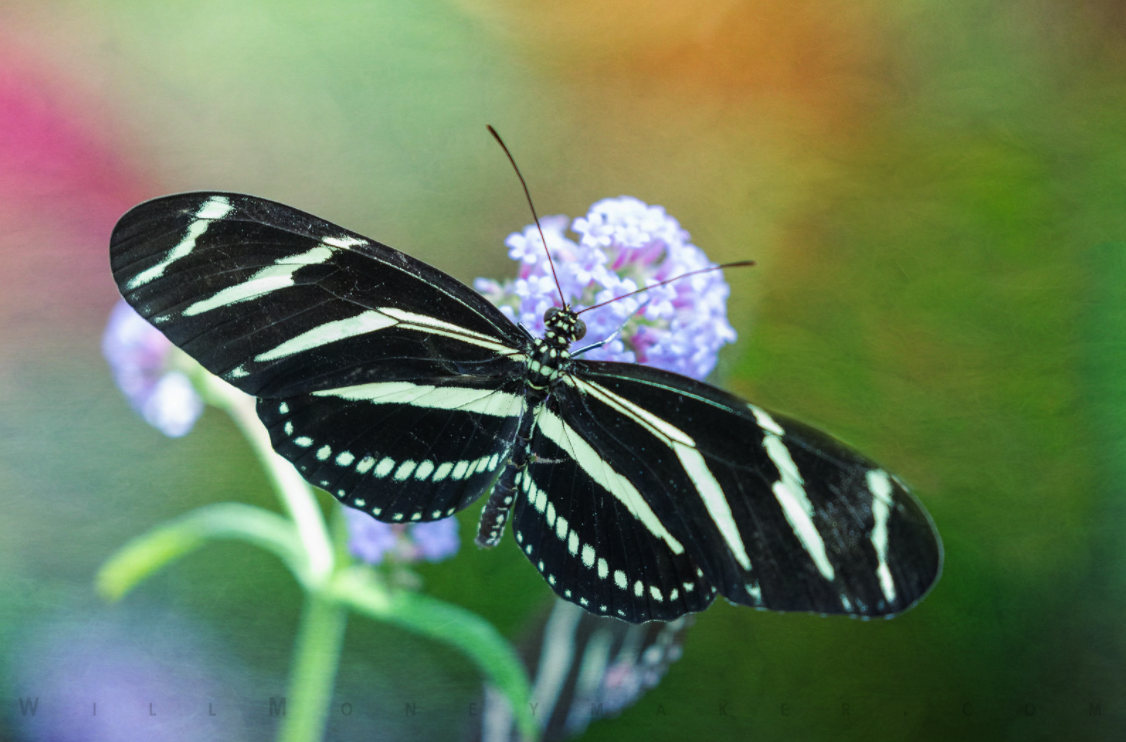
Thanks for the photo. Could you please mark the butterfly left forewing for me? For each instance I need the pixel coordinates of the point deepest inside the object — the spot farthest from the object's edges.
(777, 515)
(279, 302)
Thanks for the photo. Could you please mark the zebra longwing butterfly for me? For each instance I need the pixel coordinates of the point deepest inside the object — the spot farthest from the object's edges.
(637, 493)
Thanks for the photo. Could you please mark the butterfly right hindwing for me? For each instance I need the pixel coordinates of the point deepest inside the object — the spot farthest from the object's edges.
(581, 524)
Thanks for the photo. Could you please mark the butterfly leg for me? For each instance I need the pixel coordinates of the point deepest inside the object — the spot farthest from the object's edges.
(599, 344)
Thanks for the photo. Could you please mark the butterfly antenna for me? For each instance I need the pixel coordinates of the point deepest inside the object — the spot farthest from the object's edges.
(531, 206)
(737, 264)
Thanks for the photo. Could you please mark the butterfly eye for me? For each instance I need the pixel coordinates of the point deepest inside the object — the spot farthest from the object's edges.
(580, 329)
(551, 312)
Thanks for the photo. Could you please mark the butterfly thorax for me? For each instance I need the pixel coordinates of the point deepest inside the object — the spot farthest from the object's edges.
(550, 355)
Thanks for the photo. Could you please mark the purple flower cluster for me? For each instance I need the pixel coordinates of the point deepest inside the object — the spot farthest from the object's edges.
(125, 673)
(372, 540)
(623, 244)
(138, 354)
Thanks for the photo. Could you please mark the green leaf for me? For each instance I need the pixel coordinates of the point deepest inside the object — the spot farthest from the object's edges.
(467, 632)
(147, 553)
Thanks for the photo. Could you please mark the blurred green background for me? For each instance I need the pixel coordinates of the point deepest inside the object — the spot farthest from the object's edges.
(936, 196)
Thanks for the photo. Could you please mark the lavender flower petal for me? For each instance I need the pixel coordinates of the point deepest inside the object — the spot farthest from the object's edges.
(372, 540)
(368, 538)
(138, 356)
(436, 540)
(623, 244)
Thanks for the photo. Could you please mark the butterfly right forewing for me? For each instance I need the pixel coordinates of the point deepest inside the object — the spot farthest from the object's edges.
(775, 514)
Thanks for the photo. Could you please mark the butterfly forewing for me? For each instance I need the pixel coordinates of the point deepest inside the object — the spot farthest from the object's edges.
(279, 302)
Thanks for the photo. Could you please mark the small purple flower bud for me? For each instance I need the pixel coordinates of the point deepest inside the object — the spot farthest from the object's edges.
(372, 540)
(436, 540)
(623, 244)
(138, 356)
(368, 538)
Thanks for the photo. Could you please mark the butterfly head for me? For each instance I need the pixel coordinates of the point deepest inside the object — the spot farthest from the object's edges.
(550, 354)
(562, 327)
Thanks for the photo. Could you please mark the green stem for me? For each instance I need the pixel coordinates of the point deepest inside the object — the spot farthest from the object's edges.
(320, 638)
(295, 493)
(320, 635)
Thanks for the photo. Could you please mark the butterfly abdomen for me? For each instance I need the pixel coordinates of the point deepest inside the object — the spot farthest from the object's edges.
(490, 529)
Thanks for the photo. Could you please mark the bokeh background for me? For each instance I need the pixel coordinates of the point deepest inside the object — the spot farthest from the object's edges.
(936, 196)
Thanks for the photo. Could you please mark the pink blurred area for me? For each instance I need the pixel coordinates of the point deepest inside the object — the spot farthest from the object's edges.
(61, 191)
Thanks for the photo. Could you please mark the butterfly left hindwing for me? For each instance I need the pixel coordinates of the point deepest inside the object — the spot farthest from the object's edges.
(401, 451)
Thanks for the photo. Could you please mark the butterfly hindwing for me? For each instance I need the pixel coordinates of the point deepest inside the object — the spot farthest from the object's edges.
(401, 451)
(279, 302)
(591, 533)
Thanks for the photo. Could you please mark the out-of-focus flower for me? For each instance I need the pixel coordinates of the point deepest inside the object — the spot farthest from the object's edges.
(129, 673)
(372, 540)
(585, 667)
(623, 244)
(368, 538)
(436, 540)
(138, 354)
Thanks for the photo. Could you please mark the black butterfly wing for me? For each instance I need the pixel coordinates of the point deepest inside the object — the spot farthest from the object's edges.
(386, 381)
(280, 303)
(582, 522)
(774, 514)
(401, 451)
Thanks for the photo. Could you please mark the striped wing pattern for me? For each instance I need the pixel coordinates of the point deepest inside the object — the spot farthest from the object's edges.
(637, 493)
(389, 384)
(776, 515)
(581, 520)
(278, 302)
(400, 451)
